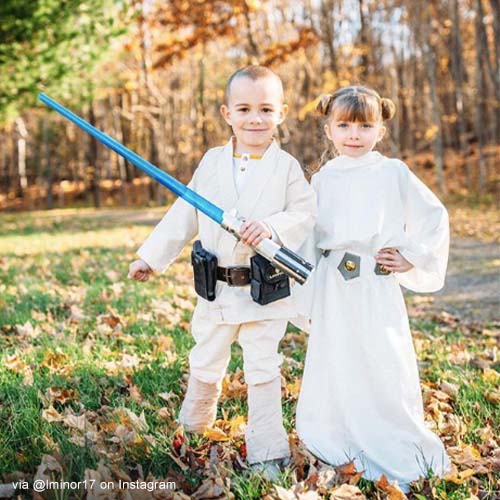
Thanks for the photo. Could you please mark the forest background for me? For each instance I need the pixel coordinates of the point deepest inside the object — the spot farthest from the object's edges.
(152, 74)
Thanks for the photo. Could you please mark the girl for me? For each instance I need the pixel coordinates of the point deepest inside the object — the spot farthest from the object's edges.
(378, 227)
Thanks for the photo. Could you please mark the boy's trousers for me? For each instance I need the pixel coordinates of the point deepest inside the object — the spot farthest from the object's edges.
(265, 436)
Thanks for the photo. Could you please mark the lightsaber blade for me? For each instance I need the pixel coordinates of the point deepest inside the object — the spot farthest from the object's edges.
(283, 258)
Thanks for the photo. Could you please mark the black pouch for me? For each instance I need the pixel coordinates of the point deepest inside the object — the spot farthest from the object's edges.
(268, 284)
(205, 271)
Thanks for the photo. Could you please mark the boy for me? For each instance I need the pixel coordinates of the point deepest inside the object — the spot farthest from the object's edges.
(266, 186)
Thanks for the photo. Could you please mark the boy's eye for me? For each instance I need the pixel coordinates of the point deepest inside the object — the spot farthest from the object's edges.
(244, 109)
(267, 110)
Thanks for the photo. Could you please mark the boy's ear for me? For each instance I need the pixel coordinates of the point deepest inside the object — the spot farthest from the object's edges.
(283, 113)
(225, 113)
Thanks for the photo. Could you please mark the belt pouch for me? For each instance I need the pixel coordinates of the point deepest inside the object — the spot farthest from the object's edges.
(267, 283)
(205, 271)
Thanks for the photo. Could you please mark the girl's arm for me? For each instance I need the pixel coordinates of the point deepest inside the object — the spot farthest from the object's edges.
(428, 238)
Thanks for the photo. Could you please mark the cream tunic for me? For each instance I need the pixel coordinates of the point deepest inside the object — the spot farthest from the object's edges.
(275, 192)
(360, 396)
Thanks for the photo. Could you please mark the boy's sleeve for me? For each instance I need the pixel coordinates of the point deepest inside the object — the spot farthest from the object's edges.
(177, 228)
(296, 221)
(428, 238)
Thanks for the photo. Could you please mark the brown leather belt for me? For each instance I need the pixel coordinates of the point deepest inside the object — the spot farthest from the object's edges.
(234, 275)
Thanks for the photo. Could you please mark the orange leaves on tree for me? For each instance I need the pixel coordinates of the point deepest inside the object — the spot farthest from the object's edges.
(280, 52)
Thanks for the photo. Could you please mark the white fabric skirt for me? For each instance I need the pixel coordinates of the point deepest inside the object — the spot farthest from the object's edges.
(360, 398)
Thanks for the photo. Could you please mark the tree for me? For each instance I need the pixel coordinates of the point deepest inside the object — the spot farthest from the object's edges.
(51, 45)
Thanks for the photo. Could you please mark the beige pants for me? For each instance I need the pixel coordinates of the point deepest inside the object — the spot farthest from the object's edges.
(265, 436)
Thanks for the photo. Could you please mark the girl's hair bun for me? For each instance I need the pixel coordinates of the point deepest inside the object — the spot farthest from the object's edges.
(388, 108)
(325, 104)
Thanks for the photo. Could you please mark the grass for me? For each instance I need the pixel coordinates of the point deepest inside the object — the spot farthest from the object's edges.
(78, 338)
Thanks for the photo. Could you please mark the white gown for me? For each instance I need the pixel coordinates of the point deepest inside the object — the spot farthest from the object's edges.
(360, 396)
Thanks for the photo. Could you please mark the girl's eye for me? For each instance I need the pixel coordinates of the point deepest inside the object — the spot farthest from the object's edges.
(244, 110)
(267, 110)
(367, 125)
(342, 125)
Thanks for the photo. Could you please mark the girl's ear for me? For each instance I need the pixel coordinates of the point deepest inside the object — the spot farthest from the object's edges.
(327, 131)
(225, 114)
(283, 113)
(381, 133)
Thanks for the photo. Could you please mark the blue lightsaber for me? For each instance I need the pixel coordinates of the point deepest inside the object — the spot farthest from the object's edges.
(283, 258)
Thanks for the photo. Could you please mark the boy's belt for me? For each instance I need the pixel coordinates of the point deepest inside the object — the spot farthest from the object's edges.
(234, 275)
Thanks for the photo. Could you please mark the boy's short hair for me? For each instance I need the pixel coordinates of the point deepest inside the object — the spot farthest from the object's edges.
(254, 72)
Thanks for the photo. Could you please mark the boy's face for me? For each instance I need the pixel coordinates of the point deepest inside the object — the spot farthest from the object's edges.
(254, 110)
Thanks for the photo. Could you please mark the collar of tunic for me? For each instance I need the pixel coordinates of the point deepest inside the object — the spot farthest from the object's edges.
(344, 161)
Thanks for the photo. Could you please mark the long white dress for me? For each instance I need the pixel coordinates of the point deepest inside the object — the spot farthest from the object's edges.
(360, 398)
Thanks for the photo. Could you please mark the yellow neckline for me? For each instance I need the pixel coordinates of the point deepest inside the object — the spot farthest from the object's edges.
(252, 157)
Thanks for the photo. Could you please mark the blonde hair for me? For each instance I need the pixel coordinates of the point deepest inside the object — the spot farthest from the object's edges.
(254, 72)
(356, 103)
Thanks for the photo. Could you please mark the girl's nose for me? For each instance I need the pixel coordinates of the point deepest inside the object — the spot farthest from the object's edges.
(354, 133)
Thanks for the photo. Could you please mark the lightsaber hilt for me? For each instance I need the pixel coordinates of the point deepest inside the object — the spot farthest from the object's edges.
(281, 257)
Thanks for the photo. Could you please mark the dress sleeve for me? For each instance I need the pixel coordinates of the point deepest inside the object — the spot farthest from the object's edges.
(303, 294)
(427, 237)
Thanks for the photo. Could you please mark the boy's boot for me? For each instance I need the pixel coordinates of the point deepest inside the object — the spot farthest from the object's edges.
(266, 440)
(199, 408)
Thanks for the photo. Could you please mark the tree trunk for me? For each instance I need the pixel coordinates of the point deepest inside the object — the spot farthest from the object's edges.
(201, 101)
(363, 34)
(118, 133)
(21, 156)
(495, 7)
(328, 33)
(93, 173)
(253, 50)
(484, 50)
(47, 164)
(5, 165)
(480, 104)
(430, 65)
(457, 70)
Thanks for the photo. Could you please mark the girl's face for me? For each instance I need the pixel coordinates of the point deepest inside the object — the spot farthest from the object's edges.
(354, 139)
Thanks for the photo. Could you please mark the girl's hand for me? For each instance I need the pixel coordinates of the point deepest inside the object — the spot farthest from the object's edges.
(139, 270)
(392, 260)
(253, 232)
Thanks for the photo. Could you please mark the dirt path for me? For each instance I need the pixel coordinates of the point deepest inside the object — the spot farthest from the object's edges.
(472, 289)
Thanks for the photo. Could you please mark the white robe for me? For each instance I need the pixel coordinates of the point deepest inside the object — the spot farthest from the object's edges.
(360, 396)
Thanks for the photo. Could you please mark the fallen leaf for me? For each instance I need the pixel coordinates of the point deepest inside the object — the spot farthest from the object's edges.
(347, 492)
(52, 415)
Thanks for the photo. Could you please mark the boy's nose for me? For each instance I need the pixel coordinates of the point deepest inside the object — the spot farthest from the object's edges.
(256, 118)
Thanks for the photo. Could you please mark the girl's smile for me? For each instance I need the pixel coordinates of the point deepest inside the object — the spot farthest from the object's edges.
(354, 138)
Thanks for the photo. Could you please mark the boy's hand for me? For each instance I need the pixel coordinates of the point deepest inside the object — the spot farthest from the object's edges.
(392, 260)
(139, 270)
(253, 232)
